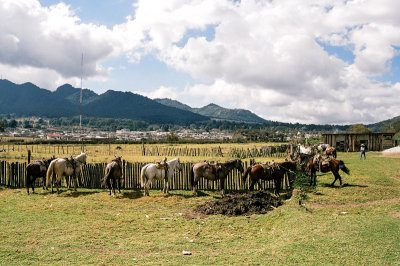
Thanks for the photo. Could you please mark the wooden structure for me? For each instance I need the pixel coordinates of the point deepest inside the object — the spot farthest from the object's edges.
(352, 141)
(14, 175)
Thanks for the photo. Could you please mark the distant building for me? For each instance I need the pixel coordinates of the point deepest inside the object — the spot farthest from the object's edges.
(52, 136)
(352, 141)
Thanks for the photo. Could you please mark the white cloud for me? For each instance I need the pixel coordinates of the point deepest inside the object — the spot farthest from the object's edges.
(265, 55)
(51, 40)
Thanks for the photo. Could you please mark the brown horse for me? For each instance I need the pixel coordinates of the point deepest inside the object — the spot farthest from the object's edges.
(217, 171)
(37, 169)
(331, 151)
(275, 172)
(333, 166)
(113, 173)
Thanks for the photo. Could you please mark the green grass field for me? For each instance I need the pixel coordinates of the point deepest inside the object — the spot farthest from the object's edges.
(356, 224)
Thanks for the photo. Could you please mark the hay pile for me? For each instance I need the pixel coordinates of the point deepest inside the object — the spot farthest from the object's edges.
(392, 150)
(255, 202)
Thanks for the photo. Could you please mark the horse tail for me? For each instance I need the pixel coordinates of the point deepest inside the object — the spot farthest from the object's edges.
(343, 167)
(143, 176)
(49, 174)
(108, 175)
(246, 173)
(191, 179)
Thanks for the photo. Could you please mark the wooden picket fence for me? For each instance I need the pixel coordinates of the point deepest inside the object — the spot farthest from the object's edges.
(13, 175)
(154, 150)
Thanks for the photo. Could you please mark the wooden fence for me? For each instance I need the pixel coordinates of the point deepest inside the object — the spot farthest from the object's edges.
(13, 175)
(153, 150)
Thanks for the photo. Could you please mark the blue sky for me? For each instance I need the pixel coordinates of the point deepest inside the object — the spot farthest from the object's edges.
(283, 60)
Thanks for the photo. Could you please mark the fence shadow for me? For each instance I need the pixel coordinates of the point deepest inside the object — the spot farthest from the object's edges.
(132, 194)
(75, 194)
(190, 195)
(344, 185)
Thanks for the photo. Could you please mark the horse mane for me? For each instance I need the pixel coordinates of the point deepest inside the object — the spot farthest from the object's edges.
(230, 162)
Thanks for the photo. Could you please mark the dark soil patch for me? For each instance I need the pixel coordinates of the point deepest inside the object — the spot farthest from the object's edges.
(255, 202)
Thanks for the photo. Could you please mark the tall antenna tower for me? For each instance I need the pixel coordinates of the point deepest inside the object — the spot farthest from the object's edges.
(80, 99)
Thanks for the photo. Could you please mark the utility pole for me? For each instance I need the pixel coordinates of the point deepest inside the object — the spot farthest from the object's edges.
(80, 99)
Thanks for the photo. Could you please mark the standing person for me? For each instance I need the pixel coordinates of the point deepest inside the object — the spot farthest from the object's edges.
(362, 149)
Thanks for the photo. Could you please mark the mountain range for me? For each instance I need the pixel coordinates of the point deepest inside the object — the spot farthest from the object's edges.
(217, 112)
(29, 100)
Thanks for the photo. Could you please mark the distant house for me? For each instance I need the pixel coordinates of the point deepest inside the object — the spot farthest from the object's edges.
(352, 141)
(52, 136)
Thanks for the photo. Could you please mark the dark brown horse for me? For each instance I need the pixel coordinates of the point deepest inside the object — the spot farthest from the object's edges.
(217, 171)
(37, 169)
(275, 172)
(113, 174)
(332, 165)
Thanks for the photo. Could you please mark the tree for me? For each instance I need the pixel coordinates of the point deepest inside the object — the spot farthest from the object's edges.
(359, 128)
(171, 137)
(27, 124)
(13, 123)
(1, 126)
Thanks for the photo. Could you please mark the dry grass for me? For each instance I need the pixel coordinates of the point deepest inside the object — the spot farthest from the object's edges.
(129, 152)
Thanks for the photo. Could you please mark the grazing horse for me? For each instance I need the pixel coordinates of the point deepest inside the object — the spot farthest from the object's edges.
(303, 159)
(150, 172)
(267, 172)
(37, 169)
(332, 165)
(113, 175)
(217, 171)
(65, 167)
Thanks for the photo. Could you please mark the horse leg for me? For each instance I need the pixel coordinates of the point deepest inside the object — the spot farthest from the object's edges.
(108, 182)
(276, 188)
(146, 190)
(119, 184)
(251, 186)
(166, 186)
(194, 185)
(222, 184)
(58, 182)
(334, 174)
(337, 176)
(32, 185)
(113, 186)
(76, 181)
(52, 181)
(28, 183)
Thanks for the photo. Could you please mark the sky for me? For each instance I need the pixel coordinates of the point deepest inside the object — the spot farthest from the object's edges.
(309, 61)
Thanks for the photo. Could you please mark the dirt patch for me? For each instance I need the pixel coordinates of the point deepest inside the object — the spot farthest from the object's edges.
(255, 202)
(395, 214)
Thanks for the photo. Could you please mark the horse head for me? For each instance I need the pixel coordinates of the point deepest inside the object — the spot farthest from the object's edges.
(239, 165)
(81, 157)
(175, 164)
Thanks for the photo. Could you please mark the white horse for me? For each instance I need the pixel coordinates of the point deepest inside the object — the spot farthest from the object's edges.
(63, 167)
(150, 172)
